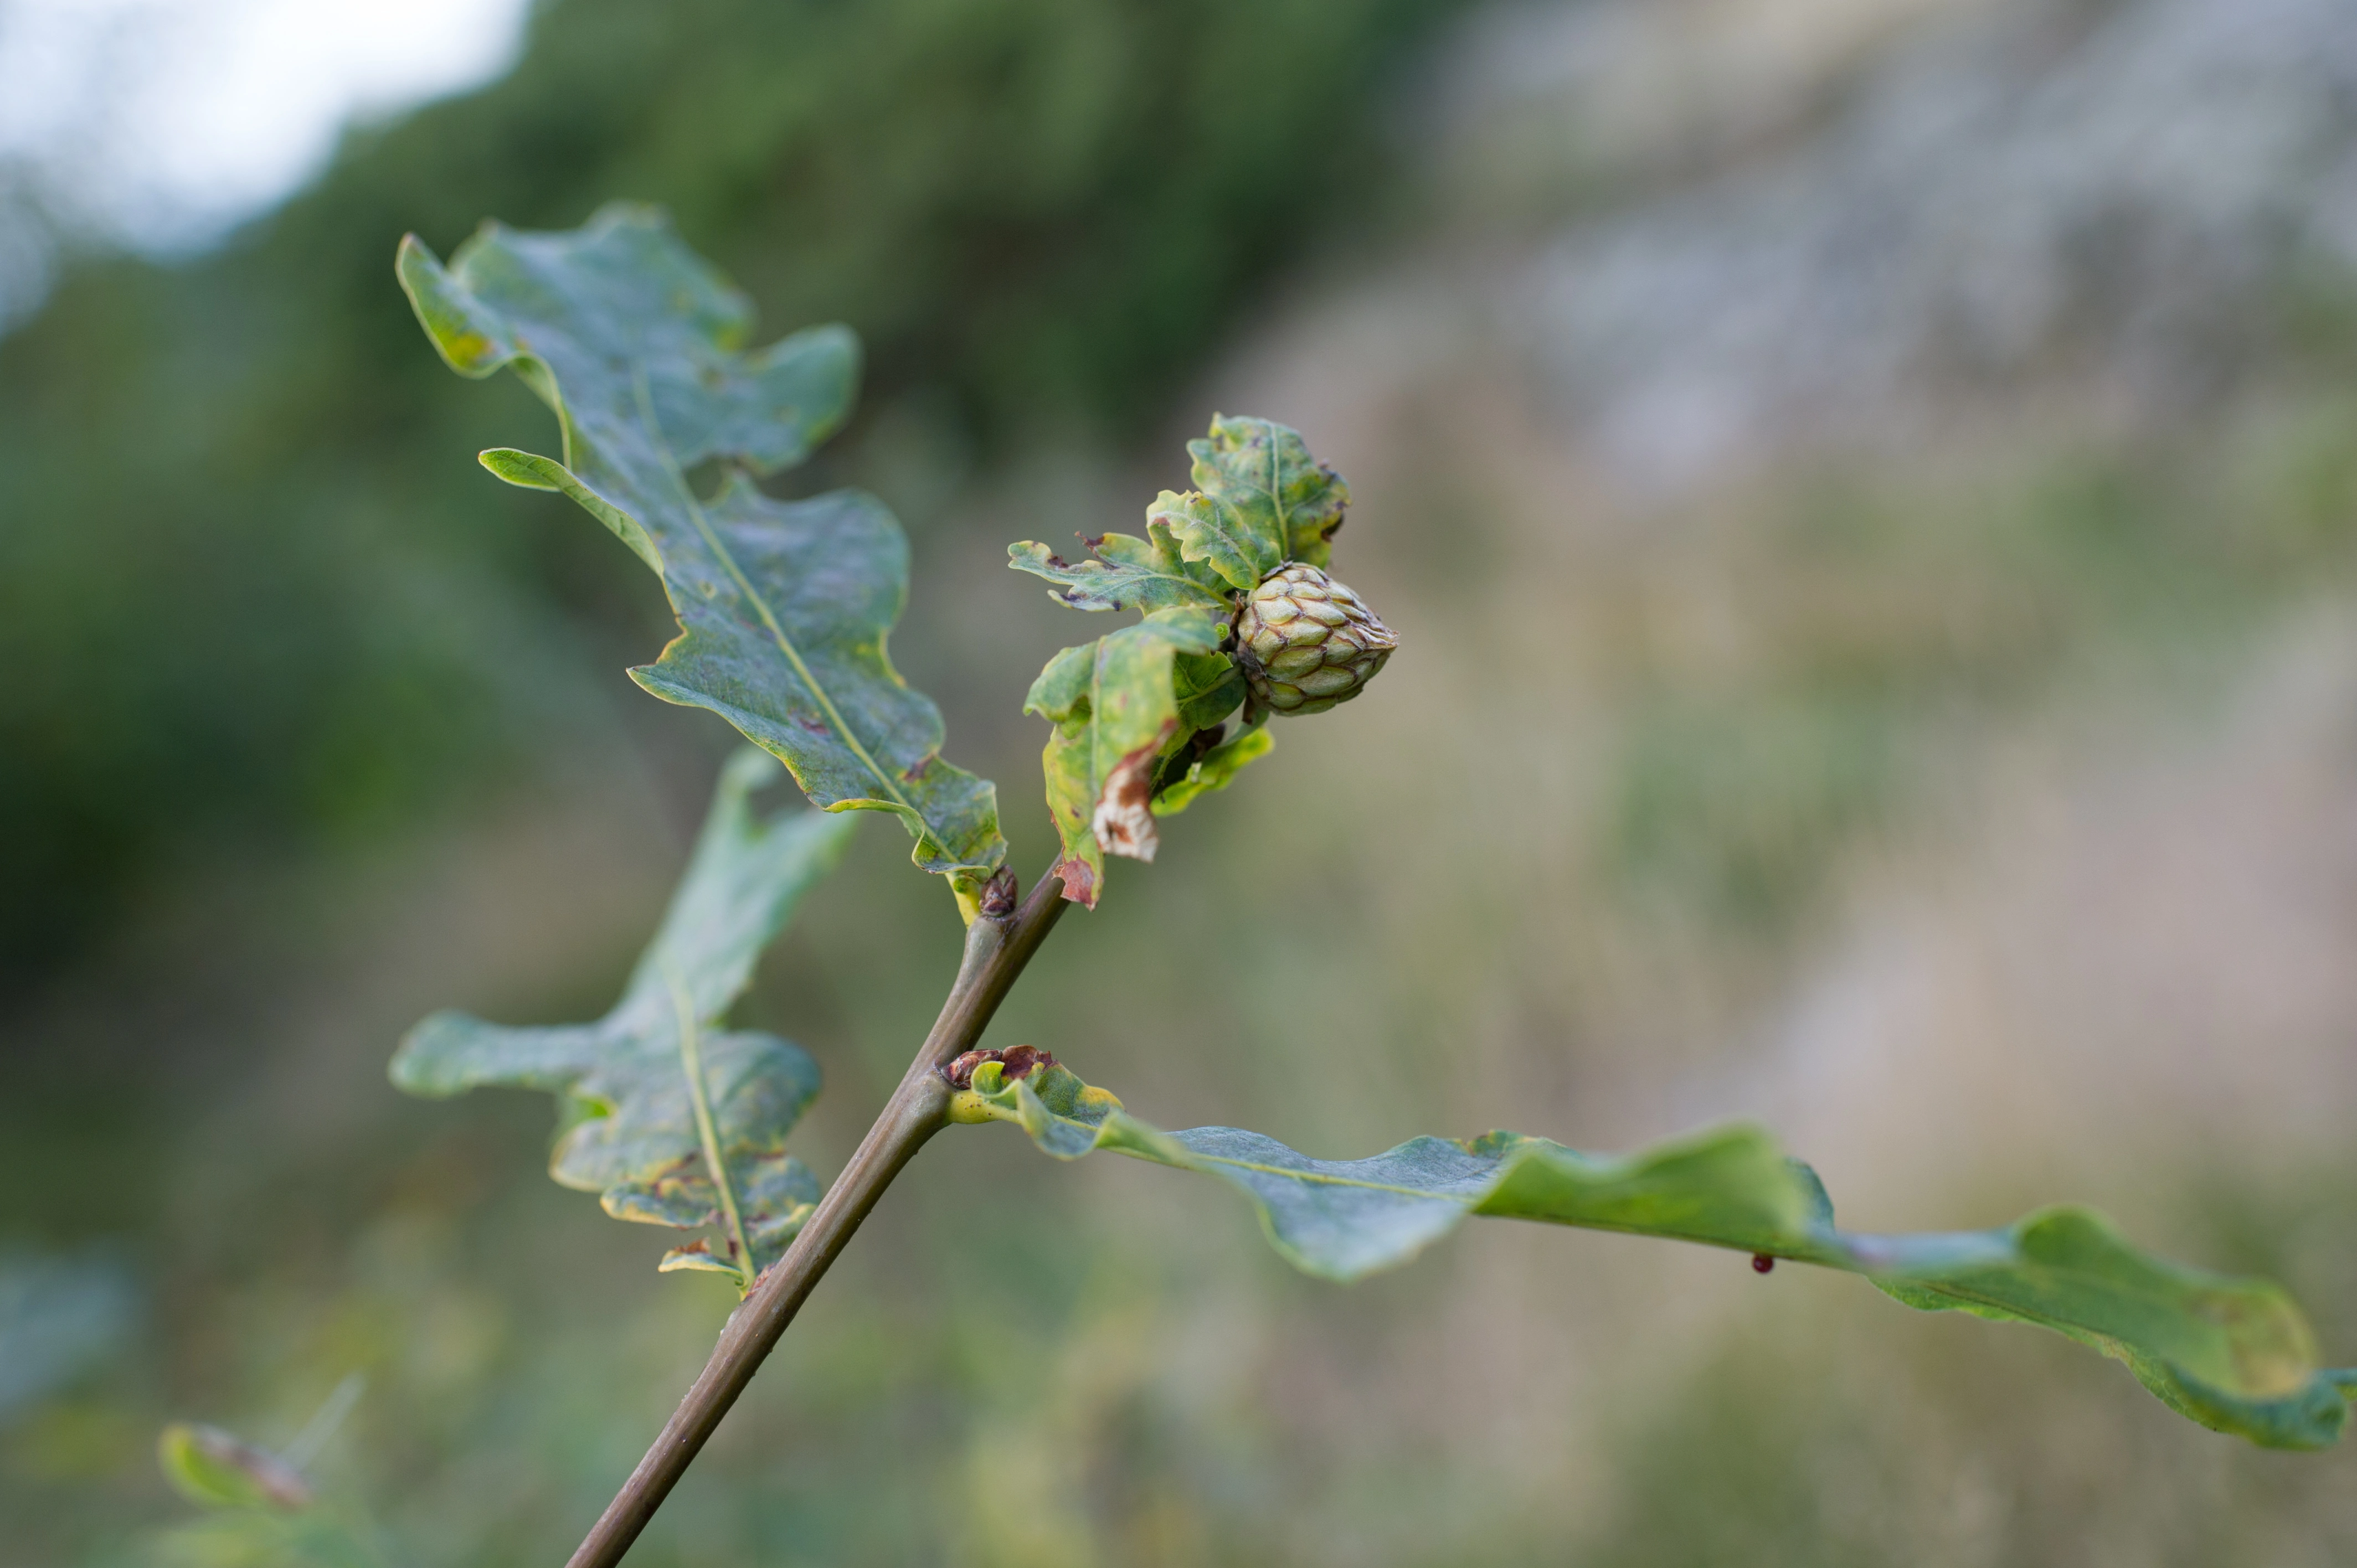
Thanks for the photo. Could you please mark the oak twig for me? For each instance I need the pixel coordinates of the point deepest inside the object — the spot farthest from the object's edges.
(998, 943)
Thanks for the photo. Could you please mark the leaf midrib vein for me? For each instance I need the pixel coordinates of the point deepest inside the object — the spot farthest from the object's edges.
(1469, 1201)
(691, 1060)
(1277, 496)
(1230, 530)
(769, 618)
(1324, 1180)
(1205, 598)
(1319, 1177)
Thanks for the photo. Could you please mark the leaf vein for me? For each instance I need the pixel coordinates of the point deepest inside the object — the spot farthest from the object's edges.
(745, 585)
(1321, 1178)
(691, 1060)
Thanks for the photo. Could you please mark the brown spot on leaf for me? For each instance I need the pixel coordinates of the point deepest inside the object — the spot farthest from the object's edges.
(1060, 562)
(1122, 824)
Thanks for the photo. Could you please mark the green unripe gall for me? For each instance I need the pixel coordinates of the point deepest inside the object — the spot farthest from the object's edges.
(1305, 642)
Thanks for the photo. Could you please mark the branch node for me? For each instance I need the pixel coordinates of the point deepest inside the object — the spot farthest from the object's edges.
(999, 896)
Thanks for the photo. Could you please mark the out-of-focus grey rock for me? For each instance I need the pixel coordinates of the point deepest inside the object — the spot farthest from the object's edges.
(2115, 198)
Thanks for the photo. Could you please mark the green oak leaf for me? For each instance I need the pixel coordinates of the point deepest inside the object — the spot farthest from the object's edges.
(1260, 475)
(2235, 1355)
(1215, 769)
(1230, 542)
(783, 606)
(1126, 573)
(670, 1120)
(1115, 711)
(1207, 688)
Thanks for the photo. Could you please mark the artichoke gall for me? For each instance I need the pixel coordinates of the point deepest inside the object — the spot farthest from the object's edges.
(1305, 642)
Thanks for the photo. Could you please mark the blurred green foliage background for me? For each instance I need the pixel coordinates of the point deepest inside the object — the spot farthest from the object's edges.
(1036, 215)
(1963, 786)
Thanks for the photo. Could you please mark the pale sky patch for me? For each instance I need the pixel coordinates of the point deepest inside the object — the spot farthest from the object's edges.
(159, 124)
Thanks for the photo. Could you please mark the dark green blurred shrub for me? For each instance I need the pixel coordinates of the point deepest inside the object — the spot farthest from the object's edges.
(241, 593)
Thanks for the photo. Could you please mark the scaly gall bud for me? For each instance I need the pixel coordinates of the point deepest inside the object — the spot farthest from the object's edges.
(1305, 642)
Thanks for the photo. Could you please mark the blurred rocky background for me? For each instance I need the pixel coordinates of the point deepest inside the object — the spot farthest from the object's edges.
(1868, 492)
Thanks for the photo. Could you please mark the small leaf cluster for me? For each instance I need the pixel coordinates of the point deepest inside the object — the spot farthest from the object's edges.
(1141, 714)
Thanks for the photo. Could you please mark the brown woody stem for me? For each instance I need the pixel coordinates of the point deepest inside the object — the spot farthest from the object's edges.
(997, 946)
